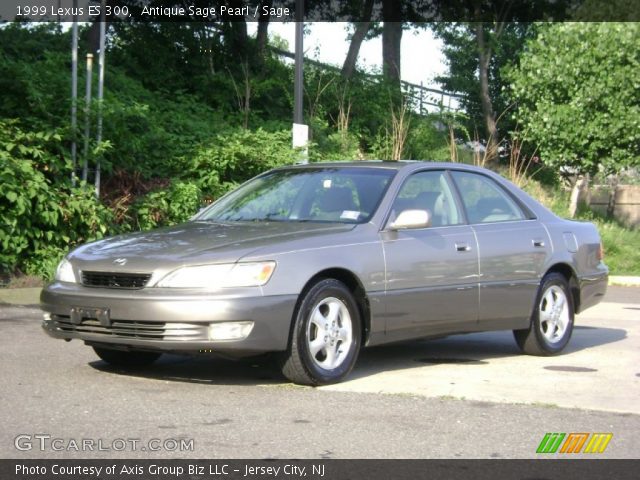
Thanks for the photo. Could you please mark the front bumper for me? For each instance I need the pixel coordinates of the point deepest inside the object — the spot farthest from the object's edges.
(151, 319)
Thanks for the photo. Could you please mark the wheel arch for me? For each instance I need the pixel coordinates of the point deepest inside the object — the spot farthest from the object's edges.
(569, 274)
(353, 283)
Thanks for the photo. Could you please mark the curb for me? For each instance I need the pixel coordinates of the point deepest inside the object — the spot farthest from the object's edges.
(624, 281)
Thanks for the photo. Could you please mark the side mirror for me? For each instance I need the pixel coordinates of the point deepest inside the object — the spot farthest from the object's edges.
(409, 219)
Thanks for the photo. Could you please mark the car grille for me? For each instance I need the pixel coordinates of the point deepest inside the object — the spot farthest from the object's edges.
(133, 329)
(115, 280)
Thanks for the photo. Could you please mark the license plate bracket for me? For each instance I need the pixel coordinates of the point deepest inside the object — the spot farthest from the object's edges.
(78, 314)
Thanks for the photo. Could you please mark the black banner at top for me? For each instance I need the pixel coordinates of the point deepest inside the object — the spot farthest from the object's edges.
(416, 11)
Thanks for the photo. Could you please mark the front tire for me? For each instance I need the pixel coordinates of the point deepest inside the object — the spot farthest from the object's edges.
(126, 358)
(552, 319)
(325, 341)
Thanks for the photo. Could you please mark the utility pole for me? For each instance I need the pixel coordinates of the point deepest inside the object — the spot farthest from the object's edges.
(74, 92)
(300, 130)
(100, 91)
(87, 116)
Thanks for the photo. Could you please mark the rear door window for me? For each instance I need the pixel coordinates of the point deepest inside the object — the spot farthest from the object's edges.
(484, 200)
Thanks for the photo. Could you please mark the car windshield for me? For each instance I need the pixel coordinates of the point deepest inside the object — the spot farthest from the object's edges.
(330, 194)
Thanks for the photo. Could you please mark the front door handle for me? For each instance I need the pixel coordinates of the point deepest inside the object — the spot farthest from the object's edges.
(462, 247)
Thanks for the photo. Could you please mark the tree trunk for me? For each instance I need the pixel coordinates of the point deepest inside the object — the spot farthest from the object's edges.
(93, 35)
(484, 54)
(611, 204)
(391, 41)
(577, 194)
(235, 35)
(262, 35)
(362, 28)
(239, 38)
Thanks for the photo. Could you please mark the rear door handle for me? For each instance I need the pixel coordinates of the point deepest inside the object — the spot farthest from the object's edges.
(538, 243)
(462, 247)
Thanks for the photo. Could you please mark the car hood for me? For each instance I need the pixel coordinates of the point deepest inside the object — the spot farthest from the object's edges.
(192, 243)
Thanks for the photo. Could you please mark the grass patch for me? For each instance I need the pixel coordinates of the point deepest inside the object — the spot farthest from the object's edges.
(22, 281)
(620, 247)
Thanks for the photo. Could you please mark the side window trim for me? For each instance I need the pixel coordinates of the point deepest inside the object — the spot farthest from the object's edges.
(458, 198)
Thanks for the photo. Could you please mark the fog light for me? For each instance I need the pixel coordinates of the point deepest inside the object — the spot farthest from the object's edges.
(46, 317)
(230, 330)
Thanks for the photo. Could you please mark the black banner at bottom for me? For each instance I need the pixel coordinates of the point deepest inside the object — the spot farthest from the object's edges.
(547, 469)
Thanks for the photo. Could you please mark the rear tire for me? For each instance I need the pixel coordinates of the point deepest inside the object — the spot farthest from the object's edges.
(552, 319)
(126, 358)
(325, 341)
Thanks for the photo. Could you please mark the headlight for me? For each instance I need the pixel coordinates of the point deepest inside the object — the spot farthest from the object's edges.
(220, 276)
(64, 272)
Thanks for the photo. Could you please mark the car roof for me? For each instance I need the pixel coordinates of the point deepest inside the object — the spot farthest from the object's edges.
(387, 164)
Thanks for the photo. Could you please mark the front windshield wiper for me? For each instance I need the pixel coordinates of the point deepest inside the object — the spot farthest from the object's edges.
(269, 217)
(213, 220)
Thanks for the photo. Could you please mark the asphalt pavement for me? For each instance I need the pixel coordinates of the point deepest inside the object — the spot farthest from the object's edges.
(599, 369)
(469, 396)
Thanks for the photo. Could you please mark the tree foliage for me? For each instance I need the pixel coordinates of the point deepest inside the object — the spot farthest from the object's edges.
(578, 95)
(502, 44)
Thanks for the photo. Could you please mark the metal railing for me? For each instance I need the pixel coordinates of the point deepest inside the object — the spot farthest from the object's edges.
(419, 96)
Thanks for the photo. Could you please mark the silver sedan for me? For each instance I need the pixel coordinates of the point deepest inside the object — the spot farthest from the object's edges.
(314, 262)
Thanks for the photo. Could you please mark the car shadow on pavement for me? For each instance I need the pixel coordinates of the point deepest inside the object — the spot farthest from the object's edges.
(203, 369)
(468, 349)
(471, 349)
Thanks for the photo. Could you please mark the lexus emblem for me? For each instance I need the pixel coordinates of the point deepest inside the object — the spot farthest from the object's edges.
(120, 261)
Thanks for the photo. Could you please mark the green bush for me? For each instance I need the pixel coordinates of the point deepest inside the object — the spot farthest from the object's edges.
(38, 217)
(149, 133)
(326, 144)
(168, 207)
(42, 262)
(232, 158)
(427, 142)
